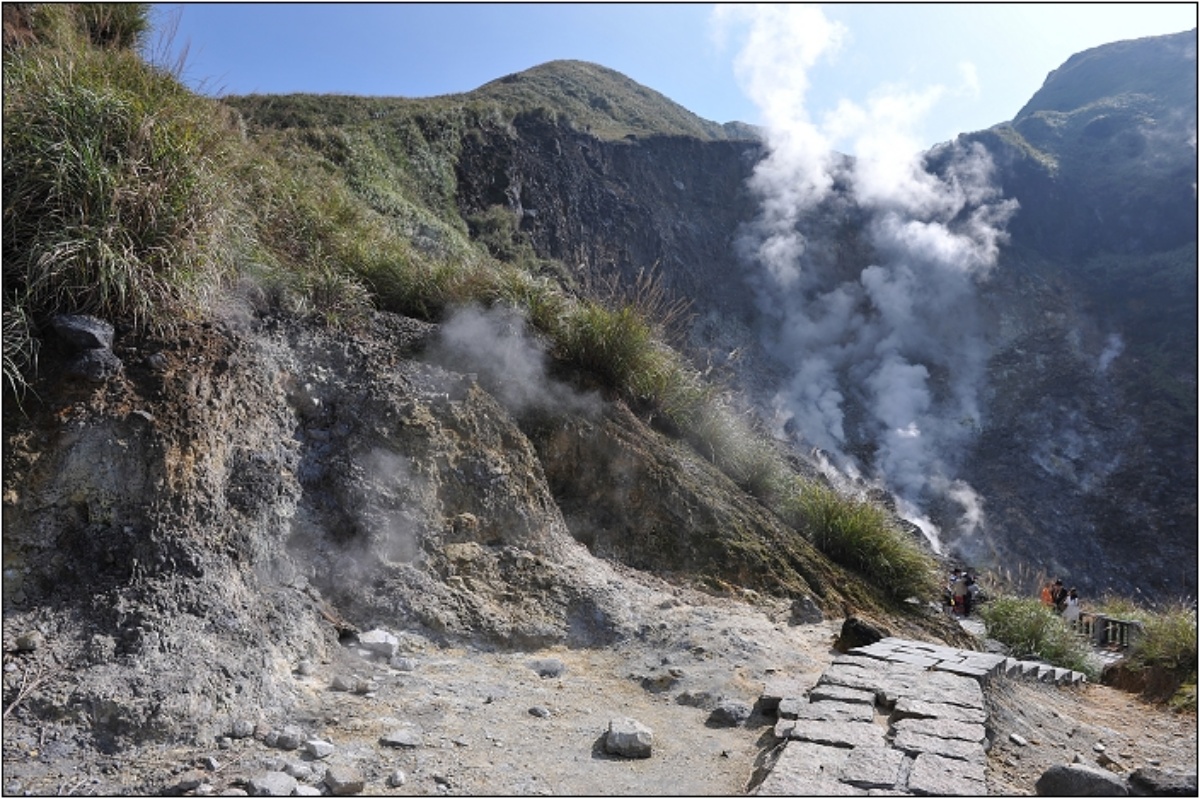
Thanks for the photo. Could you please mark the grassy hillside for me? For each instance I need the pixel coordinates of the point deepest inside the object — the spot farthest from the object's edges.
(129, 197)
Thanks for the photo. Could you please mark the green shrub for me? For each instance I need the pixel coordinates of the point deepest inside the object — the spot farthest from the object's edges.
(862, 536)
(1168, 641)
(1030, 629)
(113, 203)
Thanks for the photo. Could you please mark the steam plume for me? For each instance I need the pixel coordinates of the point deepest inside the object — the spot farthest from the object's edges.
(887, 354)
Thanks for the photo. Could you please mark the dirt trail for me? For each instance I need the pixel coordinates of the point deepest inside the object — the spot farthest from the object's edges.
(489, 724)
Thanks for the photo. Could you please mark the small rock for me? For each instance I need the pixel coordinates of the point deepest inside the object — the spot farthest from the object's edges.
(30, 641)
(403, 663)
(1017, 739)
(305, 668)
(407, 737)
(343, 780)
(1109, 762)
(190, 781)
(730, 713)
(273, 783)
(1098, 747)
(289, 738)
(319, 749)
(380, 642)
(539, 711)
(396, 779)
(241, 728)
(210, 763)
(301, 771)
(548, 667)
(628, 738)
(341, 682)
(307, 790)
(363, 686)
(805, 611)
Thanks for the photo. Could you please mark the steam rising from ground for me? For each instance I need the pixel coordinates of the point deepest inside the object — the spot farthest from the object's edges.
(886, 353)
(497, 345)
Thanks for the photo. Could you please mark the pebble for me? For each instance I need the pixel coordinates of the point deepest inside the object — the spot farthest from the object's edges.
(1017, 739)
(539, 711)
(396, 779)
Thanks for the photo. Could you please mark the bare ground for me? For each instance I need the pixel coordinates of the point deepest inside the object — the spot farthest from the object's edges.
(489, 724)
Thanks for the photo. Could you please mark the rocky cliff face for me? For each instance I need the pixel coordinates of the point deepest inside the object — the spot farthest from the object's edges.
(1084, 456)
(185, 529)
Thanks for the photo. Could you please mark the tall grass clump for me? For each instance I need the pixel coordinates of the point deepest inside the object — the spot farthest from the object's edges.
(862, 536)
(1030, 629)
(114, 202)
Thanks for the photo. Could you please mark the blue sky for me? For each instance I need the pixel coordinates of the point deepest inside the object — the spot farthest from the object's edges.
(987, 59)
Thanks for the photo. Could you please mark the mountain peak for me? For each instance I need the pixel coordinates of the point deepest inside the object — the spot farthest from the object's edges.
(603, 101)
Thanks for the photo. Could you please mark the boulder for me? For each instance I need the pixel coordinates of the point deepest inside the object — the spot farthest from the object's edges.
(95, 365)
(628, 738)
(858, 632)
(1151, 781)
(83, 332)
(1077, 779)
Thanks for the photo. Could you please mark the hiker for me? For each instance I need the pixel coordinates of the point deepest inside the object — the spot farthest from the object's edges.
(1048, 595)
(972, 590)
(1059, 595)
(959, 592)
(1071, 609)
(948, 594)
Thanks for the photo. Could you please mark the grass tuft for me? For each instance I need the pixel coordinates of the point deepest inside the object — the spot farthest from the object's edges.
(1030, 629)
(862, 536)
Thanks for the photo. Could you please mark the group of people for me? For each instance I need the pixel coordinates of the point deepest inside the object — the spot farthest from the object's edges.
(961, 591)
(1065, 602)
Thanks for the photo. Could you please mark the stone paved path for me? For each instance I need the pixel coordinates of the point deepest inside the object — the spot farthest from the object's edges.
(894, 718)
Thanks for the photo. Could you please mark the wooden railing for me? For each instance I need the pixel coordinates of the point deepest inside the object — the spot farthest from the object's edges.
(1105, 632)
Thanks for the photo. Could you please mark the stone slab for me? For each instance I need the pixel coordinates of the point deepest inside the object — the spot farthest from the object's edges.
(777, 689)
(943, 728)
(842, 694)
(915, 658)
(834, 733)
(807, 769)
(932, 775)
(915, 744)
(965, 670)
(917, 708)
(873, 768)
(831, 710)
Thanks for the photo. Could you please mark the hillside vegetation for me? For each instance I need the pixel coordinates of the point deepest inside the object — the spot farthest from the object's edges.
(128, 197)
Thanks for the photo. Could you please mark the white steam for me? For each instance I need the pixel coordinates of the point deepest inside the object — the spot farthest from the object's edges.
(887, 361)
(1113, 347)
(511, 363)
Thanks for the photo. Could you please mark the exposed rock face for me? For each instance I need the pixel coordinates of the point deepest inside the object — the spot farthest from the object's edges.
(184, 533)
